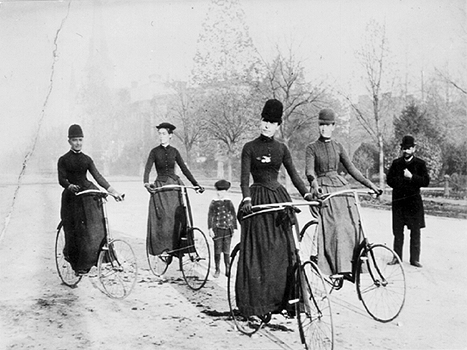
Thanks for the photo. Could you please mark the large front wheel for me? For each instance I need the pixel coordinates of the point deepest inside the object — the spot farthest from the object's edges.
(117, 269)
(64, 269)
(195, 260)
(380, 282)
(245, 324)
(314, 309)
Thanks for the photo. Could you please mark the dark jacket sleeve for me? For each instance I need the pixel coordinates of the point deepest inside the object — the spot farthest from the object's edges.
(395, 179)
(62, 174)
(97, 176)
(310, 171)
(289, 166)
(148, 167)
(245, 171)
(351, 168)
(421, 177)
(184, 168)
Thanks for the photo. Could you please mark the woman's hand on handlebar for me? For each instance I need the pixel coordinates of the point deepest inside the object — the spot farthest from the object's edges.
(150, 188)
(114, 193)
(200, 189)
(377, 191)
(247, 207)
(73, 188)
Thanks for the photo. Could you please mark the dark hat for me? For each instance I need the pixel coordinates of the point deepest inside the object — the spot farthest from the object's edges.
(75, 131)
(327, 116)
(272, 111)
(222, 185)
(167, 126)
(408, 141)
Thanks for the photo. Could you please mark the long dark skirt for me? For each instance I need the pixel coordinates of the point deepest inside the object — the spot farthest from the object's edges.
(267, 258)
(83, 223)
(338, 233)
(166, 219)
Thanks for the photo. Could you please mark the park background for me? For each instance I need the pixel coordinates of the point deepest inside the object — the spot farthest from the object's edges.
(119, 68)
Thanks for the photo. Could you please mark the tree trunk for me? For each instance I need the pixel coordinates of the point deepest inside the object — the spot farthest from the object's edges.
(229, 169)
(381, 162)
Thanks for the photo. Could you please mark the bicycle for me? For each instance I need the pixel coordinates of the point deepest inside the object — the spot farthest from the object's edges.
(377, 271)
(116, 264)
(194, 253)
(310, 297)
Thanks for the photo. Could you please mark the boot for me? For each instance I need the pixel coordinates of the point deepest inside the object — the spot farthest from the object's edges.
(398, 245)
(415, 248)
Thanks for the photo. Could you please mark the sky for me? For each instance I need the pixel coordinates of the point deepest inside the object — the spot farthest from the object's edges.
(141, 38)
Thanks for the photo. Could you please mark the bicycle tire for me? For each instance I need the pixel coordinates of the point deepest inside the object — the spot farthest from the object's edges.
(64, 269)
(158, 264)
(195, 260)
(117, 269)
(246, 325)
(314, 314)
(381, 286)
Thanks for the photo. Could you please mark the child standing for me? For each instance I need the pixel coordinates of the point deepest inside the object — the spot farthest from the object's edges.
(222, 222)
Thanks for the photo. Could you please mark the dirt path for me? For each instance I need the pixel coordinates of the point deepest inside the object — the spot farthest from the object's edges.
(37, 312)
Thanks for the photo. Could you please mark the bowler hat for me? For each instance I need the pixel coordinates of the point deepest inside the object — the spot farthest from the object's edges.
(75, 131)
(222, 185)
(170, 128)
(408, 141)
(327, 116)
(272, 111)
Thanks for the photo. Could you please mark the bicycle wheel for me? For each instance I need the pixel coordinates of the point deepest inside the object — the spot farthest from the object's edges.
(380, 285)
(314, 309)
(64, 269)
(246, 325)
(117, 269)
(158, 264)
(195, 260)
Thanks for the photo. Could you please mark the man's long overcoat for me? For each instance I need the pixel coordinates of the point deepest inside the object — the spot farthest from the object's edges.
(407, 204)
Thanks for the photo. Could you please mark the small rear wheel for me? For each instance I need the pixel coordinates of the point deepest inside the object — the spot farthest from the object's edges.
(64, 269)
(380, 282)
(117, 269)
(195, 260)
(245, 324)
(158, 264)
(314, 309)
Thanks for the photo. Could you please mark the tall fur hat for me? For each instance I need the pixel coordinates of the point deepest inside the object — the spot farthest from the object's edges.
(272, 111)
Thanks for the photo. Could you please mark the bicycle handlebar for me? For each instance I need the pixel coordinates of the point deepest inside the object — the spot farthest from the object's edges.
(104, 194)
(272, 207)
(327, 196)
(172, 187)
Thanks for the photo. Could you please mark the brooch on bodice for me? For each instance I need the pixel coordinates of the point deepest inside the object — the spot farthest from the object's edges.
(264, 159)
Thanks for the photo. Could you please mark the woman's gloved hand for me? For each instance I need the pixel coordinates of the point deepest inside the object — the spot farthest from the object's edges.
(247, 207)
(150, 188)
(117, 195)
(73, 188)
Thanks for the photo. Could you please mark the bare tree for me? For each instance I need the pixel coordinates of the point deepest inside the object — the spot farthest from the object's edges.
(373, 113)
(186, 108)
(228, 119)
(285, 81)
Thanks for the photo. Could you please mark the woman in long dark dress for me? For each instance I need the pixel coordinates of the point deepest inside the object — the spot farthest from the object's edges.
(166, 217)
(267, 257)
(81, 216)
(338, 233)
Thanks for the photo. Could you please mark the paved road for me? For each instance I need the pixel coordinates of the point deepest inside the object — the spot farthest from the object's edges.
(56, 317)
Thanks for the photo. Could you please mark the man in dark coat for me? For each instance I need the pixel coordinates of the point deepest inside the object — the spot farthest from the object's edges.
(406, 175)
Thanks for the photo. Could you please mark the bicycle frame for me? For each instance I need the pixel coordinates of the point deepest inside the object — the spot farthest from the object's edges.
(185, 199)
(103, 195)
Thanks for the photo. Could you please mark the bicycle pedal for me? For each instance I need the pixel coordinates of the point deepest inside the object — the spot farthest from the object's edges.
(336, 276)
(293, 301)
